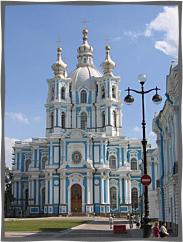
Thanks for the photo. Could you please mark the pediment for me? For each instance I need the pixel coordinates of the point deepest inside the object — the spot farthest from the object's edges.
(76, 134)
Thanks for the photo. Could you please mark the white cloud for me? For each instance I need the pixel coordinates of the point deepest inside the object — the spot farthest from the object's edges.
(167, 23)
(9, 143)
(37, 119)
(137, 129)
(152, 135)
(20, 117)
(133, 34)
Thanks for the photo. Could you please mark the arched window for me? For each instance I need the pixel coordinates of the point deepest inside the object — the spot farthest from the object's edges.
(115, 118)
(27, 164)
(103, 119)
(103, 92)
(63, 120)
(113, 91)
(52, 119)
(113, 197)
(83, 120)
(134, 195)
(63, 93)
(43, 163)
(52, 93)
(133, 164)
(83, 96)
(112, 162)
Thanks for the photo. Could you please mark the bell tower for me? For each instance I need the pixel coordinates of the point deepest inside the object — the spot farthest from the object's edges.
(58, 100)
(108, 98)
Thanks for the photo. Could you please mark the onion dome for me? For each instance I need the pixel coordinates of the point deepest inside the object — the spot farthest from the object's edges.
(59, 67)
(108, 65)
(85, 52)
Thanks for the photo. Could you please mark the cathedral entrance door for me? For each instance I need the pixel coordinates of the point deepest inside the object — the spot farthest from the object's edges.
(76, 198)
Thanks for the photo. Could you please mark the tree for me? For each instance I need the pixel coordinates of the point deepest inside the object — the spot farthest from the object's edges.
(8, 197)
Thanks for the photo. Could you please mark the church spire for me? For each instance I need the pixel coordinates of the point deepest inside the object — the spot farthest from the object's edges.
(108, 65)
(85, 52)
(59, 67)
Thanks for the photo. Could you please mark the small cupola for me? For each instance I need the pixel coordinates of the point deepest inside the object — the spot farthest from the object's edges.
(108, 65)
(85, 52)
(59, 67)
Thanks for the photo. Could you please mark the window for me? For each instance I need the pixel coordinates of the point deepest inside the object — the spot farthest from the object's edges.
(112, 162)
(43, 164)
(63, 120)
(103, 92)
(52, 93)
(114, 118)
(103, 119)
(70, 90)
(52, 119)
(133, 164)
(134, 195)
(113, 197)
(63, 93)
(113, 91)
(83, 96)
(27, 163)
(96, 90)
(83, 120)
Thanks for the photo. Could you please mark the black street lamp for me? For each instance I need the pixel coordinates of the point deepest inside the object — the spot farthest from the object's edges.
(129, 100)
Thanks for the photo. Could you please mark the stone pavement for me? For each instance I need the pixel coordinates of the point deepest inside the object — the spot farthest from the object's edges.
(93, 230)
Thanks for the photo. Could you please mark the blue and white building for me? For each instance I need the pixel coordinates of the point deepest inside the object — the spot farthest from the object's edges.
(84, 164)
(152, 171)
(167, 126)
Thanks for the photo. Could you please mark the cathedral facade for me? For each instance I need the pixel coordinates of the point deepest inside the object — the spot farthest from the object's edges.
(84, 164)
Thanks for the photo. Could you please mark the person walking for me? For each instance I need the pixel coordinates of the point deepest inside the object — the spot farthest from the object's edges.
(156, 230)
(110, 222)
(163, 230)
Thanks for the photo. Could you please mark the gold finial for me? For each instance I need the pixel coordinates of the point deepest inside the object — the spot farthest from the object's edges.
(85, 35)
(107, 51)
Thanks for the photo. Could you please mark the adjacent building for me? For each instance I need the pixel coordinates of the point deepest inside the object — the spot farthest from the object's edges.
(84, 164)
(167, 126)
(152, 171)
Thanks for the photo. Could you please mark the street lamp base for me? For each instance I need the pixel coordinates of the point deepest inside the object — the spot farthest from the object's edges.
(146, 230)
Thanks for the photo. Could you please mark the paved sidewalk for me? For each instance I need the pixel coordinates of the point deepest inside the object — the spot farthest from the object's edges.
(95, 229)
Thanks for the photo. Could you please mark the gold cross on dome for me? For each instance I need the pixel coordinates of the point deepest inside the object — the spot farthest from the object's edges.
(85, 22)
(58, 42)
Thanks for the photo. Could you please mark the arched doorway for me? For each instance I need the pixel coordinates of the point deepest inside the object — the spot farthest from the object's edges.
(76, 198)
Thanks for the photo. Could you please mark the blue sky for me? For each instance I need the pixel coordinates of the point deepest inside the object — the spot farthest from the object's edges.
(143, 39)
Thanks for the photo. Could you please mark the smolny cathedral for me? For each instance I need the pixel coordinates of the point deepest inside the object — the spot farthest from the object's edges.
(84, 165)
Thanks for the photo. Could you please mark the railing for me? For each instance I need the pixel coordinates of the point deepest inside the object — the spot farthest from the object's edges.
(97, 129)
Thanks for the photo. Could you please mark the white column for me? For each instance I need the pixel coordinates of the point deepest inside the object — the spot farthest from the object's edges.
(120, 190)
(129, 191)
(37, 191)
(29, 189)
(107, 190)
(61, 188)
(32, 190)
(64, 189)
(46, 190)
(88, 189)
(126, 190)
(50, 195)
(102, 189)
(51, 158)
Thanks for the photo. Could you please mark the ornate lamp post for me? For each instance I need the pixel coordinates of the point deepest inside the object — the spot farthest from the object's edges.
(129, 100)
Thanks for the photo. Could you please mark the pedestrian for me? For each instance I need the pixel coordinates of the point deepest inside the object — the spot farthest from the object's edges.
(110, 222)
(155, 230)
(163, 230)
